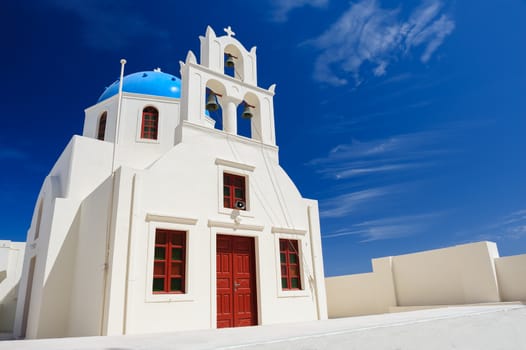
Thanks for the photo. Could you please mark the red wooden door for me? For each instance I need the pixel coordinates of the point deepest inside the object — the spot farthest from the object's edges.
(236, 282)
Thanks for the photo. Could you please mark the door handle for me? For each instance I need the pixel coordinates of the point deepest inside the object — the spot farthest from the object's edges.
(236, 285)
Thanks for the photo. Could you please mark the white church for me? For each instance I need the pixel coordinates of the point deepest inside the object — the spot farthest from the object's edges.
(156, 219)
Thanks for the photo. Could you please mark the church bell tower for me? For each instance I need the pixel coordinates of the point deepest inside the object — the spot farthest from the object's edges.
(226, 78)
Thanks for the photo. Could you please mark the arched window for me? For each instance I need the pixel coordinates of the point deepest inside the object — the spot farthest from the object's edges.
(233, 62)
(150, 121)
(102, 126)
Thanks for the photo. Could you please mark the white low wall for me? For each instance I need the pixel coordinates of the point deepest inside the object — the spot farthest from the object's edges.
(511, 273)
(360, 294)
(11, 260)
(465, 274)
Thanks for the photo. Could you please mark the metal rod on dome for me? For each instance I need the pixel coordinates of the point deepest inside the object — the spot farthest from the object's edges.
(117, 122)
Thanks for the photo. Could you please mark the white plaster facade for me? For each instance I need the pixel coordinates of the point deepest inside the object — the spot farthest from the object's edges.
(88, 269)
(11, 260)
(464, 274)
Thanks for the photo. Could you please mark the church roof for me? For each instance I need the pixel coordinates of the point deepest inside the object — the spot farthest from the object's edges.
(154, 83)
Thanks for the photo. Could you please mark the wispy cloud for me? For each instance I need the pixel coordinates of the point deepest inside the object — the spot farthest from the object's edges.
(387, 228)
(395, 79)
(518, 216)
(283, 7)
(343, 205)
(368, 33)
(367, 169)
(108, 25)
(7, 153)
(340, 123)
(512, 226)
(392, 154)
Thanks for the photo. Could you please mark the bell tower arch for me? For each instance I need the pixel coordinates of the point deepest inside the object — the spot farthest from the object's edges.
(218, 55)
(214, 49)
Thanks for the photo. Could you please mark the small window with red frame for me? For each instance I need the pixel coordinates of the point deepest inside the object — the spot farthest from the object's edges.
(290, 264)
(150, 123)
(102, 126)
(169, 262)
(234, 191)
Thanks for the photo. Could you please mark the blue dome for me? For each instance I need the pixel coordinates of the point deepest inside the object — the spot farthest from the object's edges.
(148, 83)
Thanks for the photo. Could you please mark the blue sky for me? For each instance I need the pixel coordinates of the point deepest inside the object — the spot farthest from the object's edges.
(406, 120)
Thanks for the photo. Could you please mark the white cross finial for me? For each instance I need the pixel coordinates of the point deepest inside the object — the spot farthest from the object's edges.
(157, 69)
(228, 30)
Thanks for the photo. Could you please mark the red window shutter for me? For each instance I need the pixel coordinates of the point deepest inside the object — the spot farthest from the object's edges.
(150, 123)
(169, 262)
(234, 189)
(290, 264)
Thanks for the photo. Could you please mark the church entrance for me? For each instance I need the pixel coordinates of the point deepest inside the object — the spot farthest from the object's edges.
(236, 282)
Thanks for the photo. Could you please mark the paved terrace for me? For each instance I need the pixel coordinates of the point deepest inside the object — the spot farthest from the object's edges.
(469, 327)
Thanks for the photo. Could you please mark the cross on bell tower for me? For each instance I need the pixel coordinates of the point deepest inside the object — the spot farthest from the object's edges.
(228, 31)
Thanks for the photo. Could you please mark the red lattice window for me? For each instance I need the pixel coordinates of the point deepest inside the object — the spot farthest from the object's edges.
(234, 191)
(150, 121)
(290, 264)
(169, 262)
(102, 126)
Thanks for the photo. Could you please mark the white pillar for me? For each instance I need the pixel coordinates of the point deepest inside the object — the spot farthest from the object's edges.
(229, 106)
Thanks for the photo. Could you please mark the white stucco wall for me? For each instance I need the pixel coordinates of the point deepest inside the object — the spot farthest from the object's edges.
(82, 166)
(362, 294)
(359, 294)
(11, 261)
(464, 274)
(511, 273)
(457, 275)
(88, 280)
(133, 151)
(92, 117)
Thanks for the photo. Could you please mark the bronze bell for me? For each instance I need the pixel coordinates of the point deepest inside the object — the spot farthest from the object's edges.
(229, 61)
(211, 102)
(247, 112)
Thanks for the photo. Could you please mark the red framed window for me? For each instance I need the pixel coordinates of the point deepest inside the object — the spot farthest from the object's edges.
(290, 264)
(169, 262)
(150, 121)
(234, 190)
(102, 126)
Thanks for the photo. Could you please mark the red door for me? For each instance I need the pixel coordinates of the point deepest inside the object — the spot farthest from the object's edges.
(236, 282)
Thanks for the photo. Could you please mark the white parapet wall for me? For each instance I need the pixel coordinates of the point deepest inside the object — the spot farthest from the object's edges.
(464, 274)
(11, 260)
(360, 294)
(511, 273)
